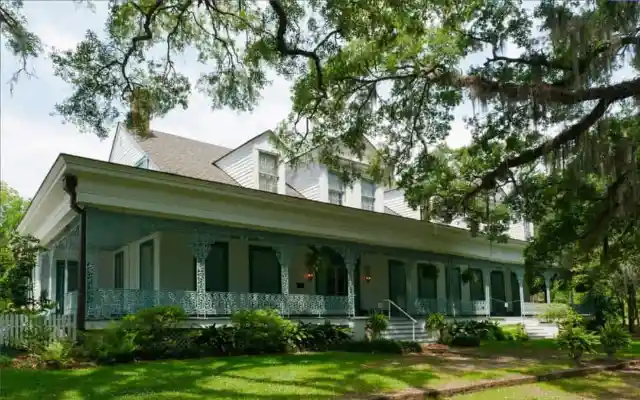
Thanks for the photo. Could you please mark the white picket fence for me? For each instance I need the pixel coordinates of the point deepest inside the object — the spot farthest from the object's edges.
(14, 326)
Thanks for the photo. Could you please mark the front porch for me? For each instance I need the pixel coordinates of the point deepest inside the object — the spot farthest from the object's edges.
(135, 262)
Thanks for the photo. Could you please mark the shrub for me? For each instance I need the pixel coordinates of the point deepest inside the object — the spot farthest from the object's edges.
(464, 340)
(493, 331)
(382, 346)
(5, 361)
(263, 331)
(521, 334)
(214, 340)
(321, 337)
(437, 322)
(36, 336)
(614, 337)
(57, 354)
(577, 341)
(376, 324)
(112, 345)
(154, 329)
(556, 312)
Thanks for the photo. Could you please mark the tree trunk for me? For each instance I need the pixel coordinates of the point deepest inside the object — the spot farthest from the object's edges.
(632, 310)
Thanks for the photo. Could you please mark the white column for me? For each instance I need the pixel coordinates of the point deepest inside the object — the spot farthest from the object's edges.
(200, 249)
(350, 257)
(284, 254)
(507, 289)
(520, 277)
(548, 276)
(486, 278)
(442, 288)
(465, 293)
(52, 274)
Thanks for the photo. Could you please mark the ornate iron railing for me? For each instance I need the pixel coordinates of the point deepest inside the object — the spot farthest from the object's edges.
(113, 303)
(450, 307)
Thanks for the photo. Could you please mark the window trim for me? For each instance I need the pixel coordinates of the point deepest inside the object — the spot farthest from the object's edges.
(275, 175)
(341, 191)
(363, 196)
(142, 163)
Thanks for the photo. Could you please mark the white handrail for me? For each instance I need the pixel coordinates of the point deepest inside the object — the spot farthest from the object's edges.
(391, 303)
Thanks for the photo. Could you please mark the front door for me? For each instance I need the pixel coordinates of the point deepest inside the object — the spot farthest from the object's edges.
(498, 297)
(397, 285)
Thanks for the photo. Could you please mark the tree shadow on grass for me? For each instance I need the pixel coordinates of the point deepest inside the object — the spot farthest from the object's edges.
(619, 385)
(308, 376)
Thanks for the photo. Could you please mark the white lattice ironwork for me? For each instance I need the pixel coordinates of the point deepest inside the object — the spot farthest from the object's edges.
(113, 303)
(284, 259)
(350, 257)
(201, 249)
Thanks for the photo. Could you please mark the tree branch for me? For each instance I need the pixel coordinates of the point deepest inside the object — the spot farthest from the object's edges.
(574, 132)
(283, 48)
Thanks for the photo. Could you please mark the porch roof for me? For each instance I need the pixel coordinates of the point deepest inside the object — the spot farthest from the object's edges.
(124, 188)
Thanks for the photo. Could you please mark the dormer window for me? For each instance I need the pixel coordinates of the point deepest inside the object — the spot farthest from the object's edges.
(336, 189)
(142, 163)
(368, 195)
(268, 172)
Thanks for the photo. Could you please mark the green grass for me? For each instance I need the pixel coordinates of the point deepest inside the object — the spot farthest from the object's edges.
(609, 385)
(308, 376)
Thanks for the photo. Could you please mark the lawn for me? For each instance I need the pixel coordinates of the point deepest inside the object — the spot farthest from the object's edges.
(623, 385)
(309, 376)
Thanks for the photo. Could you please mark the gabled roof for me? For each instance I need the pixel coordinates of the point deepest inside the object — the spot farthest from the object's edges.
(183, 156)
(187, 157)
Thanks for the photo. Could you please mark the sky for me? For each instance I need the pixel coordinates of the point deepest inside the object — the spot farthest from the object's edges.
(31, 138)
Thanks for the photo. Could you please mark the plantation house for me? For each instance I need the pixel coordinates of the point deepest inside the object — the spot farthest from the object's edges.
(170, 220)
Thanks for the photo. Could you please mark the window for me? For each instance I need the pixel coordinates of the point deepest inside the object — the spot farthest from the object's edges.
(336, 189)
(331, 279)
(427, 281)
(264, 270)
(143, 163)
(368, 195)
(118, 270)
(216, 269)
(268, 172)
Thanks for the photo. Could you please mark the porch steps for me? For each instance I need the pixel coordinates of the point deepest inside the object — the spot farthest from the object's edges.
(538, 330)
(402, 329)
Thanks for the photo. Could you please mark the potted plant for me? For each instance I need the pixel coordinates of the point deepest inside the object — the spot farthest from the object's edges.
(614, 337)
(376, 324)
(577, 342)
(436, 322)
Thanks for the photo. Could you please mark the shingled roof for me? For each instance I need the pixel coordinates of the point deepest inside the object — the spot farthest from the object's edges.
(187, 157)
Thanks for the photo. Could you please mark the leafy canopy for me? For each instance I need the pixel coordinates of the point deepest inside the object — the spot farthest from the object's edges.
(554, 136)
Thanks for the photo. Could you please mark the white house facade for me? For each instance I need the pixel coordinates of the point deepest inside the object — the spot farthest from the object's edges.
(173, 221)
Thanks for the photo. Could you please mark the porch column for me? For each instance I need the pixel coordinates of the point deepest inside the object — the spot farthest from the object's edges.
(350, 258)
(285, 256)
(412, 285)
(486, 278)
(548, 276)
(200, 249)
(520, 277)
(52, 274)
(465, 293)
(442, 295)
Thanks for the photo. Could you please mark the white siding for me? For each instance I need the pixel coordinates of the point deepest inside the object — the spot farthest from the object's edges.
(239, 165)
(394, 199)
(125, 149)
(306, 180)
